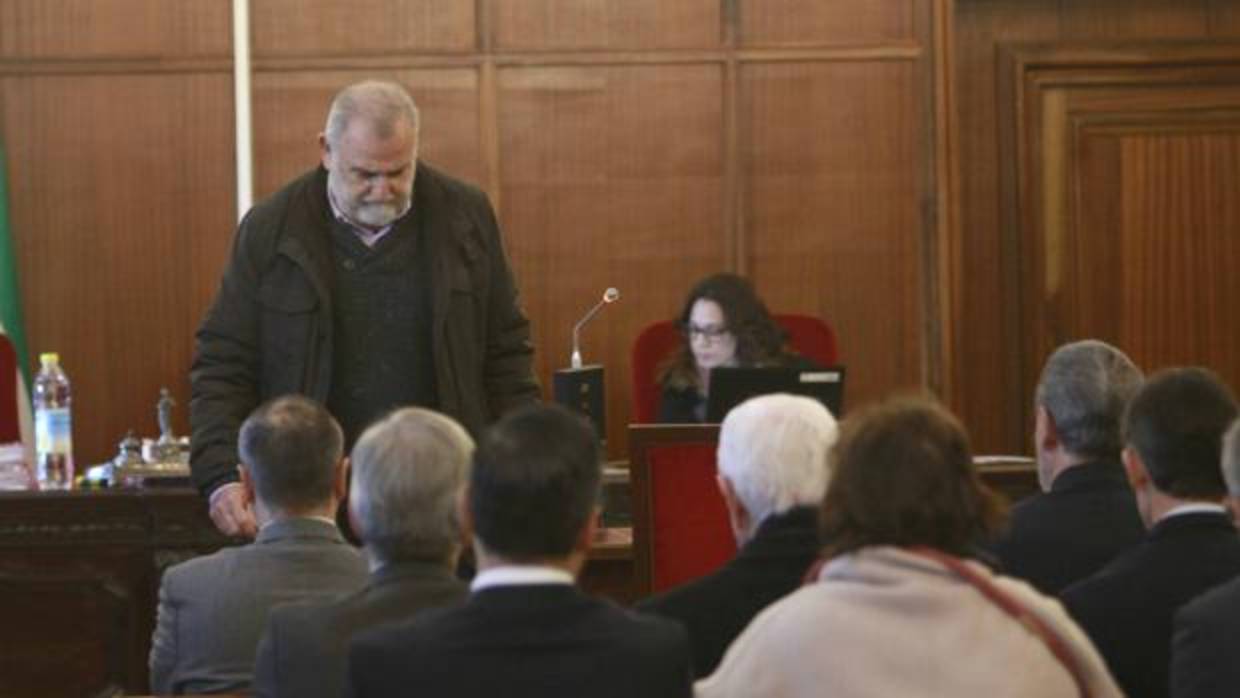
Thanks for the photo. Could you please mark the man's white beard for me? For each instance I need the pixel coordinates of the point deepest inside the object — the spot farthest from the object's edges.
(378, 215)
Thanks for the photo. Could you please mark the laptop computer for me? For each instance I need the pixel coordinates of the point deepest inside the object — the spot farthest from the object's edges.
(731, 386)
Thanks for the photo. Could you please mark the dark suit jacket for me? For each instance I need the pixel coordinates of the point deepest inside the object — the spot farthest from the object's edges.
(1127, 607)
(212, 609)
(1207, 638)
(1062, 536)
(303, 652)
(717, 607)
(539, 641)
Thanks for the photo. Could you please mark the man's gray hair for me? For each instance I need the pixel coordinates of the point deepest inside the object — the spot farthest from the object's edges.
(382, 102)
(291, 446)
(773, 449)
(1085, 386)
(408, 471)
(1231, 458)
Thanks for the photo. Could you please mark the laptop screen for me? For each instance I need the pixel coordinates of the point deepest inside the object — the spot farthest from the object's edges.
(731, 386)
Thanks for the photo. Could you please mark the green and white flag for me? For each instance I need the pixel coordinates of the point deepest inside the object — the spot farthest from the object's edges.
(11, 314)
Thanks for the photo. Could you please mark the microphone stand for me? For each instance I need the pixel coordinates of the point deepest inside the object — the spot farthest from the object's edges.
(611, 295)
(580, 387)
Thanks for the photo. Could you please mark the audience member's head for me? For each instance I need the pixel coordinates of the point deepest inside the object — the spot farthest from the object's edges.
(903, 476)
(1080, 403)
(534, 489)
(1173, 432)
(291, 455)
(1231, 468)
(409, 472)
(773, 457)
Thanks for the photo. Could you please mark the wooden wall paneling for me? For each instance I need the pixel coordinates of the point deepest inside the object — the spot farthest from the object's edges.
(1134, 19)
(290, 110)
(816, 22)
(1180, 217)
(1224, 18)
(987, 380)
(612, 176)
(1095, 237)
(946, 274)
(1098, 124)
(114, 29)
(542, 25)
(985, 362)
(119, 206)
(321, 28)
(67, 634)
(833, 205)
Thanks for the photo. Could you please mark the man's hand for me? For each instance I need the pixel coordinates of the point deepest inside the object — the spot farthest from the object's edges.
(231, 512)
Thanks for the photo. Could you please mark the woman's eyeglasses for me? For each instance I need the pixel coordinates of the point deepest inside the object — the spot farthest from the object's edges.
(709, 333)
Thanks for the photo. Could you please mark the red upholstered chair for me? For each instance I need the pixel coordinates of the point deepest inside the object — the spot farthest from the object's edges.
(10, 428)
(807, 335)
(680, 523)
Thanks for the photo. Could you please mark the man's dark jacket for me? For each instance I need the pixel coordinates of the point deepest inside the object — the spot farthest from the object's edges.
(524, 641)
(269, 331)
(1126, 609)
(1203, 651)
(717, 607)
(1059, 537)
(303, 652)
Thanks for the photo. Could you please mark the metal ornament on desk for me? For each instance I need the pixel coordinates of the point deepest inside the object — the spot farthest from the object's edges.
(162, 458)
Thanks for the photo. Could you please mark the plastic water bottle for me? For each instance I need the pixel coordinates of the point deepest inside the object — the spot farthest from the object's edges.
(53, 425)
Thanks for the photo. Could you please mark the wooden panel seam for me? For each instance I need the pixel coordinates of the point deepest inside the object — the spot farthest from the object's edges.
(125, 66)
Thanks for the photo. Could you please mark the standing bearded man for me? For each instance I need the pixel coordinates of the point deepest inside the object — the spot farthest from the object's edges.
(371, 282)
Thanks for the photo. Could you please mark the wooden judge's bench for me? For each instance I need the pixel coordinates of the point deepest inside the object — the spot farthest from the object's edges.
(80, 573)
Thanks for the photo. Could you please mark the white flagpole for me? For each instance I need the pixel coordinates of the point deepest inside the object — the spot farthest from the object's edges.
(241, 98)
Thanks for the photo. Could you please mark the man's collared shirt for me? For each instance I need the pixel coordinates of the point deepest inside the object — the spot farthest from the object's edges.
(1194, 508)
(519, 575)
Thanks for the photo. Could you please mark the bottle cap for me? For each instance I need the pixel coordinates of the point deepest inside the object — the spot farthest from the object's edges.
(49, 357)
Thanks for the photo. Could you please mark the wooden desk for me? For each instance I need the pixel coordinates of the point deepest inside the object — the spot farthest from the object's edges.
(79, 582)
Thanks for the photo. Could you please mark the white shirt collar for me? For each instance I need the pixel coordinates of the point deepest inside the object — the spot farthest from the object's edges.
(1194, 508)
(324, 519)
(519, 575)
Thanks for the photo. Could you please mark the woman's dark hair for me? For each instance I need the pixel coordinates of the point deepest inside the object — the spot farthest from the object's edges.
(759, 340)
(904, 476)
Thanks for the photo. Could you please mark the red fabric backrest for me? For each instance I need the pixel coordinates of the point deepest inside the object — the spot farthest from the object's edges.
(10, 428)
(655, 343)
(691, 536)
(807, 335)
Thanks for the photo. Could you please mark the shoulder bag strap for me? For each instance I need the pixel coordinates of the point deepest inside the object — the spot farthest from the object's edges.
(1014, 608)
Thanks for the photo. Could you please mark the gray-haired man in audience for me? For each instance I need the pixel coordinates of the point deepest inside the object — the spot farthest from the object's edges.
(409, 471)
(1207, 630)
(212, 609)
(773, 473)
(1086, 514)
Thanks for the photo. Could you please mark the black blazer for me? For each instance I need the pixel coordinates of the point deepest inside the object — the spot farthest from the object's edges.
(303, 652)
(717, 607)
(1062, 536)
(515, 641)
(1204, 649)
(1127, 607)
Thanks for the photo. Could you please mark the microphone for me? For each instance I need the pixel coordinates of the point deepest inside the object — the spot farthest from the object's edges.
(611, 295)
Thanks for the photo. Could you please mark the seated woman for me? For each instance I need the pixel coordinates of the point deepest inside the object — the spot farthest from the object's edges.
(896, 607)
(724, 323)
